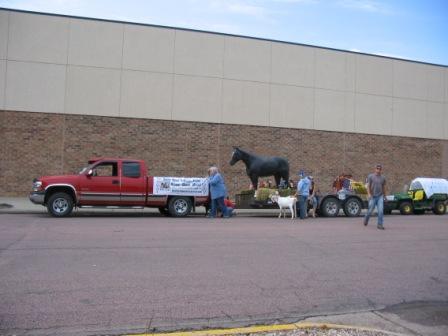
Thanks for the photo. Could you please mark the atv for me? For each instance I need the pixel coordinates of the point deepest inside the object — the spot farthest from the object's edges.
(424, 194)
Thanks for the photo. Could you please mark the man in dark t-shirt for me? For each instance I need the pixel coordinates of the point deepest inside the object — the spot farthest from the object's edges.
(376, 191)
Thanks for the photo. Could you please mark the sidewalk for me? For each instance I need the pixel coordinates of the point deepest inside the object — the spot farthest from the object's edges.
(19, 205)
(24, 205)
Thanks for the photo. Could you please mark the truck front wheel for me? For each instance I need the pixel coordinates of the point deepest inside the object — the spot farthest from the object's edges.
(60, 204)
(179, 206)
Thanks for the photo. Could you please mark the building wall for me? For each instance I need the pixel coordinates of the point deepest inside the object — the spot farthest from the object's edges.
(74, 88)
(35, 144)
(56, 64)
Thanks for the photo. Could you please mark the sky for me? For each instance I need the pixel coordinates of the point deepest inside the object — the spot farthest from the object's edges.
(407, 29)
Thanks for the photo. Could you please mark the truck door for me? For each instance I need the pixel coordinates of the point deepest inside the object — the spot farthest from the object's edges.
(101, 186)
(133, 184)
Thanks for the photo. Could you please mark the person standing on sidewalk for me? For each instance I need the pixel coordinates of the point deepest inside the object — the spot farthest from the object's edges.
(303, 191)
(376, 192)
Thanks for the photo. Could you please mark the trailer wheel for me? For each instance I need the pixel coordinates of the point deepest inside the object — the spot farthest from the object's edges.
(352, 207)
(179, 206)
(406, 208)
(60, 204)
(439, 208)
(330, 207)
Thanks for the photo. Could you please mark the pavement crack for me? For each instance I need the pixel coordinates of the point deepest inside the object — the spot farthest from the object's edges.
(15, 242)
(148, 326)
(227, 315)
(413, 332)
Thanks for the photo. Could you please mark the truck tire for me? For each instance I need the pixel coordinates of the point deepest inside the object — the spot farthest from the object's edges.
(406, 208)
(439, 208)
(60, 204)
(164, 211)
(330, 207)
(352, 207)
(179, 206)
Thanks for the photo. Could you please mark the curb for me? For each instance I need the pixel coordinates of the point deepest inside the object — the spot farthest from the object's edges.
(267, 328)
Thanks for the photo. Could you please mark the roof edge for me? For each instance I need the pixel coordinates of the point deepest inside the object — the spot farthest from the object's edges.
(217, 33)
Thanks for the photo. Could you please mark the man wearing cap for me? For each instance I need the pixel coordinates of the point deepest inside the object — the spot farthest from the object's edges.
(303, 191)
(376, 191)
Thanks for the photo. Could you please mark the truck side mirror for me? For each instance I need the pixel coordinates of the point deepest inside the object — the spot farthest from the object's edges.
(90, 173)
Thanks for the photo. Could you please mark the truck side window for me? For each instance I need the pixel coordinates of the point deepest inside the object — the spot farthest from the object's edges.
(131, 169)
(106, 169)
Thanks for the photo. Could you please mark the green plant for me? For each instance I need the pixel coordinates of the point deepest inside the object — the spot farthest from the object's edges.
(263, 194)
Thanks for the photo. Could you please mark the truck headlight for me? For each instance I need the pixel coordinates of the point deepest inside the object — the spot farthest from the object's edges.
(37, 185)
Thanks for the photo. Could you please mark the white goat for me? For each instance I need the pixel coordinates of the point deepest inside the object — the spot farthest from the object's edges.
(283, 203)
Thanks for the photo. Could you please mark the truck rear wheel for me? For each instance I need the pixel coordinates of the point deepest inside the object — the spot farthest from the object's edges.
(179, 206)
(406, 208)
(352, 207)
(330, 207)
(60, 204)
(439, 208)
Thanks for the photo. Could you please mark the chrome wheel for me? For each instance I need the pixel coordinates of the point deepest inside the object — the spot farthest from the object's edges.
(330, 207)
(60, 205)
(352, 207)
(179, 206)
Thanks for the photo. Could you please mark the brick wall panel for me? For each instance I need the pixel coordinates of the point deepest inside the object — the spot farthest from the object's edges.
(35, 144)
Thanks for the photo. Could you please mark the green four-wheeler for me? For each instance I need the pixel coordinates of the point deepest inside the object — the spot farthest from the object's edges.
(424, 194)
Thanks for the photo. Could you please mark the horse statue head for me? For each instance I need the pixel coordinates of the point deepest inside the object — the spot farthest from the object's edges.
(236, 156)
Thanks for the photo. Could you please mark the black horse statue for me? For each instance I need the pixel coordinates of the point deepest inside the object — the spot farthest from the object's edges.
(259, 166)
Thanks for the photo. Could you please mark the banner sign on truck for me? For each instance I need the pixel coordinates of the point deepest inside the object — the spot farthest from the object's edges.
(180, 186)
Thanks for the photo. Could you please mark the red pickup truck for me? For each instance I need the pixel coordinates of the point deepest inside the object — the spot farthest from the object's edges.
(109, 182)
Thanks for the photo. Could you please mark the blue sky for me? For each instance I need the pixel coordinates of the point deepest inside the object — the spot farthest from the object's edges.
(415, 30)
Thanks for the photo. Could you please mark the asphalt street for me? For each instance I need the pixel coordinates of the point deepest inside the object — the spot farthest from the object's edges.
(122, 273)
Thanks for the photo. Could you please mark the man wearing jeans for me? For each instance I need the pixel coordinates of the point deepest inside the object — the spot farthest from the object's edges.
(376, 191)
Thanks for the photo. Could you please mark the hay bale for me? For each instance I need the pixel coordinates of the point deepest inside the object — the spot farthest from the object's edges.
(287, 192)
(262, 194)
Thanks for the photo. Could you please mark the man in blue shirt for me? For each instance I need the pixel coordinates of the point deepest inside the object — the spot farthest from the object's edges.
(303, 191)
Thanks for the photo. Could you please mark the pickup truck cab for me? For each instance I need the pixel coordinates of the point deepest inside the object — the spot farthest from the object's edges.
(110, 182)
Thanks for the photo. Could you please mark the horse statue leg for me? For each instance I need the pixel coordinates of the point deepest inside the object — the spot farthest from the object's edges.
(254, 180)
(277, 180)
(285, 177)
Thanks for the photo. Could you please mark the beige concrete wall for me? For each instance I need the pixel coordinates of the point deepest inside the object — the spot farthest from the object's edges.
(69, 65)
